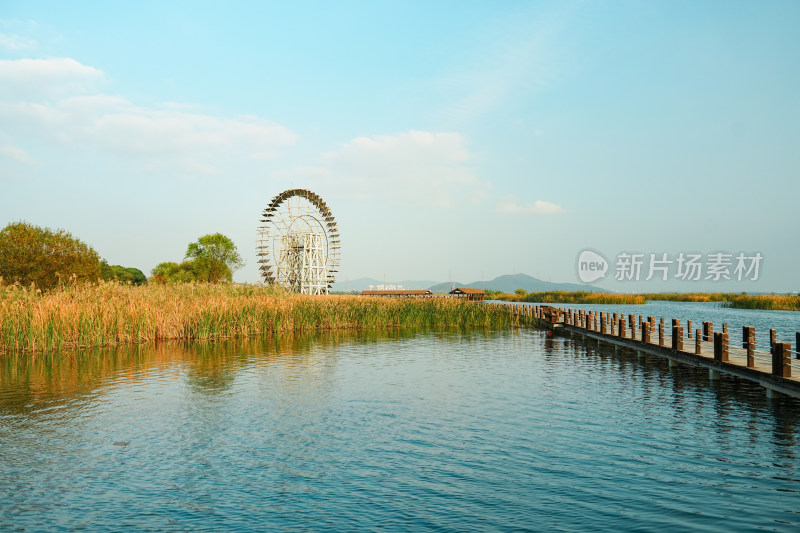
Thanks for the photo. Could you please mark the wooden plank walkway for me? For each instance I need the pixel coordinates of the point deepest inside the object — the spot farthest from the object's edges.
(776, 372)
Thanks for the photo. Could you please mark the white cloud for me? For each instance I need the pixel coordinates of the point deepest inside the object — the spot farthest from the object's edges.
(53, 100)
(16, 43)
(17, 154)
(511, 206)
(33, 78)
(415, 166)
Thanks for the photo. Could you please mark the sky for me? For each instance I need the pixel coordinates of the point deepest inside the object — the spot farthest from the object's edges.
(453, 141)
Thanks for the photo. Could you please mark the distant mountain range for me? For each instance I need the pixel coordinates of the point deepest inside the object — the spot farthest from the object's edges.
(506, 283)
(512, 282)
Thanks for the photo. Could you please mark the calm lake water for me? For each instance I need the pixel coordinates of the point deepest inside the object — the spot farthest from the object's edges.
(451, 431)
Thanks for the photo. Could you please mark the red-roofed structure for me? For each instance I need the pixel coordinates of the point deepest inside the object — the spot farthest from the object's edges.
(467, 293)
(399, 294)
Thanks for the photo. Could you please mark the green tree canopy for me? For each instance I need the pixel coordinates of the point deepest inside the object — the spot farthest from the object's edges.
(170, 272)
(30, 254)
(202, 269)
(216, 256)
(216, 246)
(212, 258)
(122, 274)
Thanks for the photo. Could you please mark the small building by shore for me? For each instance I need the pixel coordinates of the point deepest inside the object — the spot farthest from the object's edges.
(399, 294)
(466, 293)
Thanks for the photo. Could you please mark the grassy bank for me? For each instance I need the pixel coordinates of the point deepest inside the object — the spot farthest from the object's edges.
(775, 302)
(739, 301)
(578, 297)
(690, 296)
(110, 314)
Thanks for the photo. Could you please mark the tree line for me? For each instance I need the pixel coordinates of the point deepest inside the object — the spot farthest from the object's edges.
(46, 258)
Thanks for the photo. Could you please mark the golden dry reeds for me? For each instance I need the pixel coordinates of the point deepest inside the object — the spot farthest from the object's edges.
(573, 297)
(776, 302)
(108, 313)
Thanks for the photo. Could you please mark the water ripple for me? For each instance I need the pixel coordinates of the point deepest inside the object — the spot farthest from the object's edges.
(444, 431)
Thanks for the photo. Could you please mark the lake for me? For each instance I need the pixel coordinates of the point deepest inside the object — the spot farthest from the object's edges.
(416, 430)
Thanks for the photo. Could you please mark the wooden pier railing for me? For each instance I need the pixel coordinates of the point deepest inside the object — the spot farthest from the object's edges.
(776, 367)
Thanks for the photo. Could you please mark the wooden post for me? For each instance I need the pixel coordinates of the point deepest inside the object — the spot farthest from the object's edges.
(724, 328)
(721, 347)
(782, 359)
(708, 331)
(698, 343)
(797, 345)
(677, 335)
(646, 332)
(633, 329)
(749, 344)
(773, 338)
(661, 333)
(622, 332)
(689, 329)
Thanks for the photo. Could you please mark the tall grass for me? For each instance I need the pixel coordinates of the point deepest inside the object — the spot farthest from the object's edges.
(784, 302)
(776, 302)
(575, 297)
(690, 296)
(108, 314)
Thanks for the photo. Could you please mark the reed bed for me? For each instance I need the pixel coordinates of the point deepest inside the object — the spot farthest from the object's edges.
(109, 314)
(784, 302)
(577, 297)
(775, 302)
(690, 296)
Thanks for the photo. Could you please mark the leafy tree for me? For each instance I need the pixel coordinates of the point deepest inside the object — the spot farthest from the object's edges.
(30, 254)
(202, 269)
(211, 269)
(217, 247)
(170, 272)
(521, 292)
(121, 274)
(212, 258)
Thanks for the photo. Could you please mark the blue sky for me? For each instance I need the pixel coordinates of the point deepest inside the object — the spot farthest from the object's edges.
(452, 140)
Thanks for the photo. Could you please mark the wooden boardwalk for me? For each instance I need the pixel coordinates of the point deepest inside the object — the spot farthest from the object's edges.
(777, 370)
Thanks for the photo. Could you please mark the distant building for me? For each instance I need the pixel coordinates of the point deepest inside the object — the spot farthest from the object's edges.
(465, 293)
(398, 293)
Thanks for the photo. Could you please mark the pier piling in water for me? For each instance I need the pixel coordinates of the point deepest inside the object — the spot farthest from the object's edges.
(721, 347)
(772, 369)
(782, 359)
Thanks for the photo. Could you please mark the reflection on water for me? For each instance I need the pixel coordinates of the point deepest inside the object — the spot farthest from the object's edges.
(398, 430)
